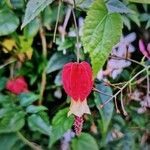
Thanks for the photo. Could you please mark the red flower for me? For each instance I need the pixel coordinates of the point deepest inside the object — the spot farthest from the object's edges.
(144, 50)
(17, 85)
(78, 83)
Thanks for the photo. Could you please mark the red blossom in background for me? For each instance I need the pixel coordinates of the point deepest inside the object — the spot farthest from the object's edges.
(17, 85)
(78, 83)
(145, 50)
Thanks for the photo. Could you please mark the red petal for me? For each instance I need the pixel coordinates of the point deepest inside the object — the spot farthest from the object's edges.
(77, 80)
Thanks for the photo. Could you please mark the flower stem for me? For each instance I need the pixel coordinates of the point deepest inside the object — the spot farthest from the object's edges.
(57, 20)
(77, 35)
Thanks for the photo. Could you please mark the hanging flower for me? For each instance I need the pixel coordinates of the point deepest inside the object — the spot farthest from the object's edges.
(17, 85)
(78, 82)
(145, 50)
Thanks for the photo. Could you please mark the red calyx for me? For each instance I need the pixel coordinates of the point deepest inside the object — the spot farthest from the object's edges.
(77, 80)
(17, 85)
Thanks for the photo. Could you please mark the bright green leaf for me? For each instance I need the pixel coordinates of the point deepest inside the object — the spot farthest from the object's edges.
(35, 109)
(27, 98)
(84, 141)
(8, 22)
(60, 124)
(34, 7)
(37, 123)
(102, 30)
(141, 1)
(12, 122)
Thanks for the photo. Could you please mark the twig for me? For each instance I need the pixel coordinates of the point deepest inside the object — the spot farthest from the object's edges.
(122, 105)
(27, 142)
(116, 106)
(7, 63)
(77, 36)
(44, 51)
(107, 101)
(57, 20)
(96, 90)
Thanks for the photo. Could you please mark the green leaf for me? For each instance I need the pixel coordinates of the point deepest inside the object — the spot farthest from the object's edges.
(117, 6)
(107, 111)
(7, 141)
(60, 124)
(34, 7)
(37, 123)
(8, 22)
(12, 122)
(17, 4)
(3, 83)
(32, 28)
(35, 109)
(84, 141)
(27, 99)
(140, 1)
(57, 61)
(102, 30)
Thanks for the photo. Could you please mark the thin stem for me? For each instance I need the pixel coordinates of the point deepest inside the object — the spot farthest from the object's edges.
(57, 20)
(148, 86)
(44, 52)
(96, 90)
(107, 101)
(122, 105)
(116, 106)
(77, 35)
(27, 142)
(7, 63)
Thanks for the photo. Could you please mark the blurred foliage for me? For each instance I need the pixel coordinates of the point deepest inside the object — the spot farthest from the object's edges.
(38, 119)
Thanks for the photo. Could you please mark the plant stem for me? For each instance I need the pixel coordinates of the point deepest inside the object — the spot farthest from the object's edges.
(101, 106)
(57, 20)
(44, 51)
(27, 142)
(77, 35)
(96, 90)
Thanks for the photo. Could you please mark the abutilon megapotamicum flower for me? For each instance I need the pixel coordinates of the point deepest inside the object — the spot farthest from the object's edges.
(78, 83)
(17, 85)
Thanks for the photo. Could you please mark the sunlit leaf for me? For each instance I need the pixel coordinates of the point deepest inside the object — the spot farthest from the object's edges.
(102, 30)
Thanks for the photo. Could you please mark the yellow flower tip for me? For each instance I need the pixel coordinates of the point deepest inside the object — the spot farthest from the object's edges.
(78, 108)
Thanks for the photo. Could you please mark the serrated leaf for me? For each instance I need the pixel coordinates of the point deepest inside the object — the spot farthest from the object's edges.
(37, 123)
(117, 6)
(102, 30)
(84, 141)
(57, 61)
(27, 98)
(140, 1)
(34, 7)
(60, 124)
(107, 111)
(8, 22)
(35, 109)
(12, 122)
